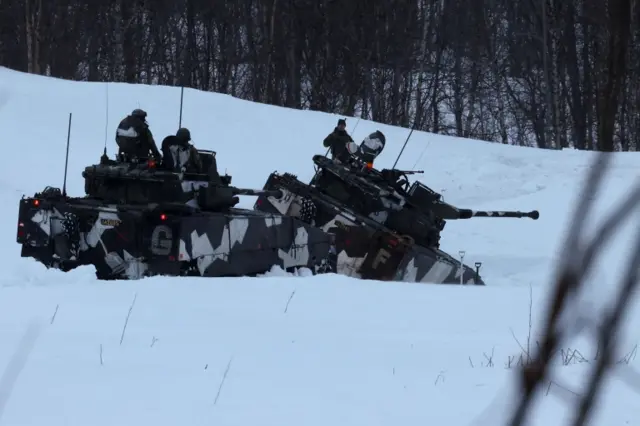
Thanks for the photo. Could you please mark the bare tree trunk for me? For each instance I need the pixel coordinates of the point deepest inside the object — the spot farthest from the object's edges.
(119, 29)
(29, 34)
(619, 33)
(548, 119)
(33, 17)
(37, 38)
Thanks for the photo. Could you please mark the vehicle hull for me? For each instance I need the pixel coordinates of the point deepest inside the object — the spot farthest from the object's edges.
(134, 241)
(364, 248)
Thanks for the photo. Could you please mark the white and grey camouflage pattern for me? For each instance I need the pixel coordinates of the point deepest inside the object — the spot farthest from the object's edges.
(139, 242)
(365, 252)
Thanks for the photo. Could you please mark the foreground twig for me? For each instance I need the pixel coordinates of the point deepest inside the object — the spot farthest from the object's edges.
(577, 262)
(224, 377)
(126, 321)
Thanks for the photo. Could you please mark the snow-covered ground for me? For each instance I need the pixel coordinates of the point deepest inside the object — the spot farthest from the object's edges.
(284, 350)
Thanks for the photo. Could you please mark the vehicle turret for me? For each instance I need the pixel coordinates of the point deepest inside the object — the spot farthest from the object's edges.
(388, 197)
(147, 183)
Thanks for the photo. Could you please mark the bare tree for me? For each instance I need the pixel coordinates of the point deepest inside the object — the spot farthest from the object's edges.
(545, 73)
(33, 19)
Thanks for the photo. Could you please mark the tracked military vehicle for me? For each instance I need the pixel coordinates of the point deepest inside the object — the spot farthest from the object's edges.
(139, 220)
(385, 227)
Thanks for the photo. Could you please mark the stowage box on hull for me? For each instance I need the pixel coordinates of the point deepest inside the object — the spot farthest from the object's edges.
(135, 241)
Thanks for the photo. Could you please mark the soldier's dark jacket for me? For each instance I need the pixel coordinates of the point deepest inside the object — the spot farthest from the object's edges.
(337, 141)
(134, 138)
(178, 154)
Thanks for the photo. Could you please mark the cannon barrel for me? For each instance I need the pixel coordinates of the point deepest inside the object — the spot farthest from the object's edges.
(258, 192)
(453, 213)
(468, 214)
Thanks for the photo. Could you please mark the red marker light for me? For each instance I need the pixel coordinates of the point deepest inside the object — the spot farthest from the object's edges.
(36, 202)
(151, 163)
(163, 216)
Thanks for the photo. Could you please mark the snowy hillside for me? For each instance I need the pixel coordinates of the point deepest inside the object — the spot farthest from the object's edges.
(288, 350)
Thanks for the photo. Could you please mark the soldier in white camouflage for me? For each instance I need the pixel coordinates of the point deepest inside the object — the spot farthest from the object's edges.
(134, 139)
(179, 154)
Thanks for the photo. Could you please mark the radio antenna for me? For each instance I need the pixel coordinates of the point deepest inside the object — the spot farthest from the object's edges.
(403, 147)
(106, 118)
(413, 127)
(181, 97)
(66, 160)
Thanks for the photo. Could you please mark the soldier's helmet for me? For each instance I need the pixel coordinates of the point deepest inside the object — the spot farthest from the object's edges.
(139, 113)
(183, 134)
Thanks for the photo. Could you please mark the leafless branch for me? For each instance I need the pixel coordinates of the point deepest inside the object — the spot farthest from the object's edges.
(579, 259)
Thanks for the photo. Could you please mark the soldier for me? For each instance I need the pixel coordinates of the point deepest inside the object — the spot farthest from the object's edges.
(179, 154)
(340, 143)
(134, 139)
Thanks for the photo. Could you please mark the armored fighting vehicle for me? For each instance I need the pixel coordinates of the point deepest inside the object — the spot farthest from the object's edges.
(138, 219)
(385, 227)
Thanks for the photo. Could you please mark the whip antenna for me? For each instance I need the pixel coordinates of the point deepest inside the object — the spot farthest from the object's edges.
(66, 160)
(413, 127)
(181, 97)
(106, 118)
(403, 147)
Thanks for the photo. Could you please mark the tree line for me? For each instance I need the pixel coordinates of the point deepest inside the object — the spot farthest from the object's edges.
(544, 73)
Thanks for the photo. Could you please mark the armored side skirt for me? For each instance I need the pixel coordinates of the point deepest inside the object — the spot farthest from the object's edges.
(130, 242)
(364, 250)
